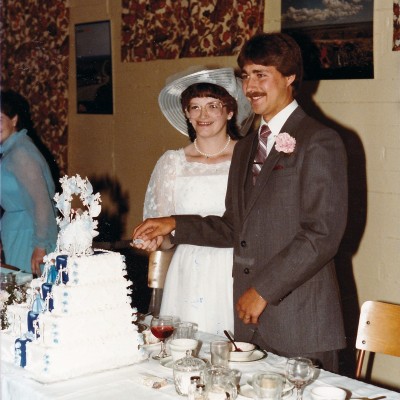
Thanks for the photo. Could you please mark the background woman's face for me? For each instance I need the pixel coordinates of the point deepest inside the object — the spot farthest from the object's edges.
(7, 127)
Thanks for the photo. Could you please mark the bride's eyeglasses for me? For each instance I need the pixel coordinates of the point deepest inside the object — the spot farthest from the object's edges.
(214, 109)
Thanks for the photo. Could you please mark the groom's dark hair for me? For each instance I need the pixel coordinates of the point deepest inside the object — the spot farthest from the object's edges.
(274, 49)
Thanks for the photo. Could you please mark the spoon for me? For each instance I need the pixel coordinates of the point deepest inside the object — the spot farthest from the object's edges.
(232, 341)
(368, 398)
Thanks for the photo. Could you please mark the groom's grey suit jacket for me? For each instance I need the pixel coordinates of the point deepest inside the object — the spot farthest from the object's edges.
(285, 232)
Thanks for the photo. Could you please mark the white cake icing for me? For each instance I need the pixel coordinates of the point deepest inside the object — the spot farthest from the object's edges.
(54, 364)
(100, 292)
(16, 315)
(81, 273)
(57, 328)
(86, 324)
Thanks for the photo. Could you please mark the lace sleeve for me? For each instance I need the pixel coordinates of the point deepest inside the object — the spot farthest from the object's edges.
(159, 199)
(36, 195)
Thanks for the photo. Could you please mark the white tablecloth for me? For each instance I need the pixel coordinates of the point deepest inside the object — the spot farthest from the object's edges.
(124, 383)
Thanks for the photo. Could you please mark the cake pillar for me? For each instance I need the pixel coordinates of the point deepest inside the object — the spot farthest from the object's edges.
(20, 351)
(46, 290)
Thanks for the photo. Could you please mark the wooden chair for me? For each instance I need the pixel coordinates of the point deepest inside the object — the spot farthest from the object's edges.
(378, 331)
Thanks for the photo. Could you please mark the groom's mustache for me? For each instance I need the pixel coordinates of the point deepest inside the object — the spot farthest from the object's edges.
(250, 95)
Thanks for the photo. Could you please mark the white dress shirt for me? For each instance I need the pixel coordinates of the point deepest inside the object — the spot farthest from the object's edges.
(276, 123)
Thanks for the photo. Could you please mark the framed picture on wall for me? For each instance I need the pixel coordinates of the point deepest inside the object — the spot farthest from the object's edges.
(94, 68)
(336, 38)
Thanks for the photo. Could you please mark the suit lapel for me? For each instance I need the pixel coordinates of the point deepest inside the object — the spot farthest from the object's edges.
(290, 126)
(262, 179)
(245, 163)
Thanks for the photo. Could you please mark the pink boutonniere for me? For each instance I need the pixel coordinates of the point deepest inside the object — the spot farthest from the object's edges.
(285, 143)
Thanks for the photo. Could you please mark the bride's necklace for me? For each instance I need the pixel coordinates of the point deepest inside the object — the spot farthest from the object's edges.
(208, 155)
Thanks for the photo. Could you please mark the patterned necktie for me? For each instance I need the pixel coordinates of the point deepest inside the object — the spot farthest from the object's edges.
(261, 153)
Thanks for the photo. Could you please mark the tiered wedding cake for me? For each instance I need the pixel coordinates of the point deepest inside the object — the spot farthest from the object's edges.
(78, 319)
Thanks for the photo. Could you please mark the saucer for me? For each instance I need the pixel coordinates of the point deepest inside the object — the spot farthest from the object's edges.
(168, 362)
(255, 356)
(247, 390)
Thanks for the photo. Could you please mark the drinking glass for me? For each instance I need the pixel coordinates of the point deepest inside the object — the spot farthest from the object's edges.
(162, 327)
(299, 371)
(220, 352)
(268, 385)
(185, 330)
(220, 383)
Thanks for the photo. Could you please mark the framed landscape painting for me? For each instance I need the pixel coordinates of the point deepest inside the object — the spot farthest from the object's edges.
(336, 37)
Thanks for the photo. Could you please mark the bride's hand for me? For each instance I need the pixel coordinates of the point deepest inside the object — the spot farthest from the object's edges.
(148, 245)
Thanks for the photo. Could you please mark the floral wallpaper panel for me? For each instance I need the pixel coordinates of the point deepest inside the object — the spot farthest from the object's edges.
(396, 25)
(172, 29)
(34, 54)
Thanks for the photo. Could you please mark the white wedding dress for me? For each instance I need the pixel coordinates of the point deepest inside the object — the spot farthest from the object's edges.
(199, 283)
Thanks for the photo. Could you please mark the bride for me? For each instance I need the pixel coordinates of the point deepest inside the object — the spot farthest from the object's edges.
(193, 180)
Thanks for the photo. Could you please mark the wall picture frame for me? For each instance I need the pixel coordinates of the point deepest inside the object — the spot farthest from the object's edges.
(94, 68)
(336, 38)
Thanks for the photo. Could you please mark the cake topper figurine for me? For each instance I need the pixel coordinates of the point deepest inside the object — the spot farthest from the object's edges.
(51, 274)
(77, 227)
(38, 305)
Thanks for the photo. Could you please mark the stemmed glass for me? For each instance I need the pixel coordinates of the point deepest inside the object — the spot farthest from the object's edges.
(299, 371)
(162, 327)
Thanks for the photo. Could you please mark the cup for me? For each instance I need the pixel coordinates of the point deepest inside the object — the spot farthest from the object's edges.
(220, 353)
(178, 347)
(219, 382)
(328, 392)
(268, 385)
(185, 330)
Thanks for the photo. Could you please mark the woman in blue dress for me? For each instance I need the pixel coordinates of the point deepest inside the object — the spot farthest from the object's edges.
(28, 223)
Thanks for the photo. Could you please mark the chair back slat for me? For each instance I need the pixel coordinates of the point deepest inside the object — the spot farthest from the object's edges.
(378, 330)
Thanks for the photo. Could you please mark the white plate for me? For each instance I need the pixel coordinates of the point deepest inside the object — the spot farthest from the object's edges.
(248, 391)
(257, 355)
(167, 362)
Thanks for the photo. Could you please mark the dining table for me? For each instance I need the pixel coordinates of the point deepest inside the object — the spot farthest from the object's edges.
(132, 382)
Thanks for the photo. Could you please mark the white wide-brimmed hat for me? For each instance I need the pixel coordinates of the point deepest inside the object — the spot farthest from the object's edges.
(170, 97)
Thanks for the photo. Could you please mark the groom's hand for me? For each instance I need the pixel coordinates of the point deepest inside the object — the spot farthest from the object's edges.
(250, 306)
(151, 232)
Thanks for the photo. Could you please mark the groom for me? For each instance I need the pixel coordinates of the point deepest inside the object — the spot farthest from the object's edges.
(285, 214)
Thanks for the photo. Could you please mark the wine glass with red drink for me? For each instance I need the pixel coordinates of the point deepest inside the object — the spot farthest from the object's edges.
(162, 328)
